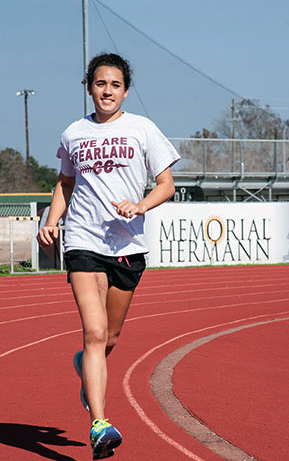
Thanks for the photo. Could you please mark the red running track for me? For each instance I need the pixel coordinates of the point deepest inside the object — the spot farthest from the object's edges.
(199, 344)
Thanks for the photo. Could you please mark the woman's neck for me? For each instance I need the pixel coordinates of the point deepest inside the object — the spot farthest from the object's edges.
(102, 118)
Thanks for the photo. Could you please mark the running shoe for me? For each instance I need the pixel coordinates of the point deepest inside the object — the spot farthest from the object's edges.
(103, 439)
(77, 362)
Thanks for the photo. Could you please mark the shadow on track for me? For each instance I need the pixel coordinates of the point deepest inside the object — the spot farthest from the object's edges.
(33, 439)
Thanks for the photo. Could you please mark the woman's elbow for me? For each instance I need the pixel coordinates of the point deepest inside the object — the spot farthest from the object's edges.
(171, 189)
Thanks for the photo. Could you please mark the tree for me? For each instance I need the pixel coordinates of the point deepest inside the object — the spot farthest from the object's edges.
(192, 153)
(250, 121)
(43, 177)
(13, 174)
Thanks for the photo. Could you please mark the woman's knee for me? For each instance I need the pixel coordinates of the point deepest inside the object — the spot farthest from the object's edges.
(94, 336)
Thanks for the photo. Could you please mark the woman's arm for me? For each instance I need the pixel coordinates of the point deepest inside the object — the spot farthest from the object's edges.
(163, 190)
(59, 204)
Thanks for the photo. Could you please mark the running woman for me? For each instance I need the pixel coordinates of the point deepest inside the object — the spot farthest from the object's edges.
(104, 159)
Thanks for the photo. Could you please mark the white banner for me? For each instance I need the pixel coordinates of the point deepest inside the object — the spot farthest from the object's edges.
(195, 234)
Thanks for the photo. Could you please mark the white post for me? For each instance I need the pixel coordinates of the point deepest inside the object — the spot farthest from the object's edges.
(61, 247)
(284, 148)
(37, 255)
(11, 246)
(85, 51)
(34, 243)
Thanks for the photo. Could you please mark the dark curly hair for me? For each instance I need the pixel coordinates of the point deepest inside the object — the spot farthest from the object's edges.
(111, 60)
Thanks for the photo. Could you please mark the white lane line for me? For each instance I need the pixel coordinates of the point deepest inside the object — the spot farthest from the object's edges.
(151, 424)
(208, 288)
(163, 275)
(167, 301)
(159, 314)
(43, 289)
(47, 338)
(143, 287)
(203, 298)
(132, 400)
(161, 387)
(33, 317)
(197, 309)
(42, 295)
(40, 305)
(203, 309)
(127, 320)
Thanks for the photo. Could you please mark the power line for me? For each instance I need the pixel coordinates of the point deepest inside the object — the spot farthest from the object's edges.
(174, 55)
(85, 51)
(116, 50)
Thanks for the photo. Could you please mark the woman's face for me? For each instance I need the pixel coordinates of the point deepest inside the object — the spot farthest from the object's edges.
(108, 92)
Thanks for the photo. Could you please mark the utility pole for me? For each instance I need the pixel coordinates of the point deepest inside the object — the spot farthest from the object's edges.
(85, 52)
(233, 133)
(286, 126)
(26, 93)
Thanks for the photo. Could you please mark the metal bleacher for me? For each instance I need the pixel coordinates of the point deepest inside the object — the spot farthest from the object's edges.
(231, 170)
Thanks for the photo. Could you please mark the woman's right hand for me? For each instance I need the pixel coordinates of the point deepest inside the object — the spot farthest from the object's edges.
(46, 235)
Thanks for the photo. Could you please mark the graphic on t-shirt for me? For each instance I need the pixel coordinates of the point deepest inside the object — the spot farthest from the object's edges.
(99, 150)
(99, 166)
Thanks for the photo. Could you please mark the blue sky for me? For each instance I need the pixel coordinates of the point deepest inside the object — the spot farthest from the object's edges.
(242, 45)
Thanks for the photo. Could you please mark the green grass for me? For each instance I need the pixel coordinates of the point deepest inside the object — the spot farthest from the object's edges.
(18, 268)
(22, 269)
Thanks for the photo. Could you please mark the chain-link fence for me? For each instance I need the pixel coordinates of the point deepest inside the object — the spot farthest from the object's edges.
(230, 156)
(22, 243)
(14, 209)
(19, 249)
(16, 247)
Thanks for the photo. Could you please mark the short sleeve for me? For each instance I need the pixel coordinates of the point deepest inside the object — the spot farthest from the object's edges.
(160, 153)
(67, 167)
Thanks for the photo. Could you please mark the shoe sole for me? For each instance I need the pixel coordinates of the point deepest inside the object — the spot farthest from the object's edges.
(104, 454)
(106, 450)
(107, 440)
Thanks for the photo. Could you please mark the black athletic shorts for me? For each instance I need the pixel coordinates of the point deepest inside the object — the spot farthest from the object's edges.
(123, 272)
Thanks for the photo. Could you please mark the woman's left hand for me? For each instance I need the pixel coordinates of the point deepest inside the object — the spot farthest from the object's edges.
(163, 190)
(128, 209)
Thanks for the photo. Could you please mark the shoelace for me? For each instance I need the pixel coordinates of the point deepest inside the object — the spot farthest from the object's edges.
(99, 424)
(120, 259)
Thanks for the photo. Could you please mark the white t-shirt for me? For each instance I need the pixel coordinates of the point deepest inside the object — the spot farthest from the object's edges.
(110, 162)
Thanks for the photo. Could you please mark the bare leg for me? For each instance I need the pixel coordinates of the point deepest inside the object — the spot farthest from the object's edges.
(103, 311)
(90, 292)
(117, 305)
